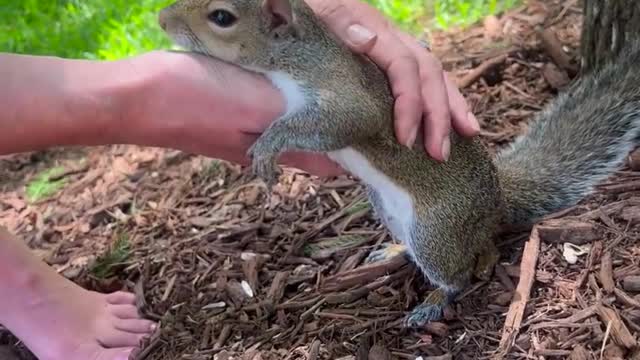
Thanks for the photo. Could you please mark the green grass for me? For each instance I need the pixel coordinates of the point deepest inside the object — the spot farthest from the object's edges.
(43, 186)
(449, 13)
(414, 15)
(113, 29)
(407, 14)
(90, 29)
(107, 264)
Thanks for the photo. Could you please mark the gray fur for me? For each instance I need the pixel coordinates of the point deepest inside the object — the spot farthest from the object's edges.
(456, 206)
(575, 143)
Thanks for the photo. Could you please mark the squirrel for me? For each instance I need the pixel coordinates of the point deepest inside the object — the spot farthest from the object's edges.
(446, 215)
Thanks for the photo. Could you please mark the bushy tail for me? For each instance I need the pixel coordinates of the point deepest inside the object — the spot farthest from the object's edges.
(576, 142)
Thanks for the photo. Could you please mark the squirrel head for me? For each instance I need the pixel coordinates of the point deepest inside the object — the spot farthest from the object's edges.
(232, 30)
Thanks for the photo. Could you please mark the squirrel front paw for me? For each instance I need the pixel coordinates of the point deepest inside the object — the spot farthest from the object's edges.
(267, 170)
(264, 166)
(387, 252)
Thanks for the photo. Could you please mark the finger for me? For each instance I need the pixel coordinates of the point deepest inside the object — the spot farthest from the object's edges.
(437, 119)
(402, 70)
(403, 74)
(385, 49)
(401, 66)
(463, 120)
(344, 24)
(234, 149)
(316, 164)
(457, 104)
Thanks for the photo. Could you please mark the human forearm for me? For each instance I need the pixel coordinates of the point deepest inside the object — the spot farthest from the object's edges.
(172, 100)
(49, 101)
(157, 99)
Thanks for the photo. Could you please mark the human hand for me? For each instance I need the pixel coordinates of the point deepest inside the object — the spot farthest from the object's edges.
(425, 96)
(204, 106)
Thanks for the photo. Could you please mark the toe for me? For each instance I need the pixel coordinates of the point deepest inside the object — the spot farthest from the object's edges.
(124, 311)
(120, 339)
(117, 354)
(137, 326)
(121, 298)
(422, 315)
(374, 256)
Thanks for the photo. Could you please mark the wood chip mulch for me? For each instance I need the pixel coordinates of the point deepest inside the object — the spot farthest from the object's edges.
(232, 272)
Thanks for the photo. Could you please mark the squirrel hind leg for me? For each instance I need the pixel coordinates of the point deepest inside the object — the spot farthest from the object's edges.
(387, 251)
(487, 261)
(432, 309)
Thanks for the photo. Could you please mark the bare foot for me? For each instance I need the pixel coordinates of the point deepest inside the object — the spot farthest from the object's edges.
(58, 320)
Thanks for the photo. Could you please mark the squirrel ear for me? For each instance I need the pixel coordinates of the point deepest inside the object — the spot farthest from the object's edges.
(279, 12)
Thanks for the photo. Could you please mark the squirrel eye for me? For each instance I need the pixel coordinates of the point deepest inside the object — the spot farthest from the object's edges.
(222, 18)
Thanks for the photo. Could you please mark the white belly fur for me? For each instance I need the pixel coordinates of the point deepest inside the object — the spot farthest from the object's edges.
(396, 202)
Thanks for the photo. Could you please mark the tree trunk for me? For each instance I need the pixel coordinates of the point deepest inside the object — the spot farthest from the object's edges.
(607, 25)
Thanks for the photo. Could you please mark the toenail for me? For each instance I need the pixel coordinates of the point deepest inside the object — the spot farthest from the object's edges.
(153, 327)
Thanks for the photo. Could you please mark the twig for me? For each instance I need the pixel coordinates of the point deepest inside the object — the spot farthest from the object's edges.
(553, 47)
(619, 332)
(607, 333)
(276, 291)
(624, 298)
(315, 350)
(222, 338)
(631, 283)
(606, 272)
(69, 172)
(563, 12)
(621, 188)
(516, 89)
(521, 296)
(363, 275)
(473, 75)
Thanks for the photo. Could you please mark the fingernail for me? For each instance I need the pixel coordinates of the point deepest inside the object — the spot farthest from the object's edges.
(475, 125)
(446, 148)
(359, 35)
(154, 327)
(411, 140)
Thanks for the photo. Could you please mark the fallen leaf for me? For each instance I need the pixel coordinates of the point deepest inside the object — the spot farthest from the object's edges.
(571, 252)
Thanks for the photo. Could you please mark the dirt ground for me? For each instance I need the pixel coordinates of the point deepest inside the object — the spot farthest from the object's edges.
(232, 273)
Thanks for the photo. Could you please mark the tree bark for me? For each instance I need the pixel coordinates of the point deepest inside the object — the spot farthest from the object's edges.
(607, 25)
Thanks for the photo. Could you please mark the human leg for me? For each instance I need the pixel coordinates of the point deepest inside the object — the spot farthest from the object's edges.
(57, 319)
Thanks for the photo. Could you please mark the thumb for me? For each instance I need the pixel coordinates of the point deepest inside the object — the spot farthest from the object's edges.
(344, 25)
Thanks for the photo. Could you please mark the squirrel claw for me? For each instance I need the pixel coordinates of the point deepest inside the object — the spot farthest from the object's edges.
(423, 314)
(432, 309)
(387, 252)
